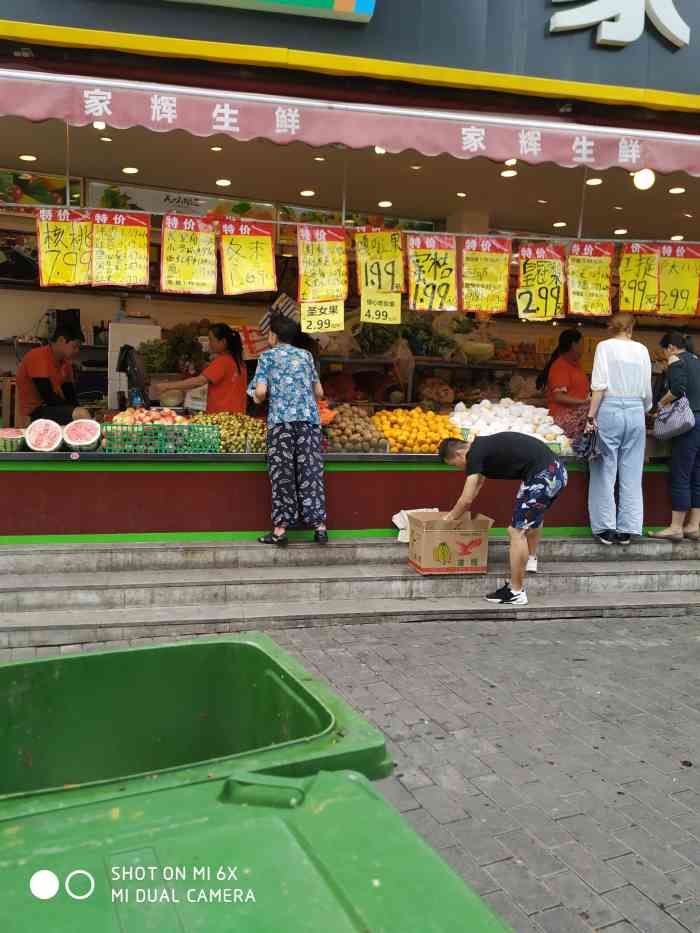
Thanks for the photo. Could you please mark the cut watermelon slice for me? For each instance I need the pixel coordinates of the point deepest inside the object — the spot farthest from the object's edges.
(10, 440)
(44, 436)
(82, 435)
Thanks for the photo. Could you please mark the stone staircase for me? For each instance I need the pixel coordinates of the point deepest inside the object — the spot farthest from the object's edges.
(71, 597)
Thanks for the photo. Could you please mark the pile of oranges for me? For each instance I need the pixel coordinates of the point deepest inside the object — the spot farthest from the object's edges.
(415, 431)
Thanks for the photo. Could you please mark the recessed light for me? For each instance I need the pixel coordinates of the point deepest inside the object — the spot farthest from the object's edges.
(380, 150)
(27, 158)
(307, 193)
(105, 139)
(130, 170)
(594, 182)
(287, 255)
(217, 148)
(617, 208)
(509, 173)
(678, 190)
(223, 182)
(689, 216)
(99, 125)
(542, 201)
(461, 194)
(678, 237)
(385, 204)
(621, 231)
(416, 168)
(644, 179)
(319, 158)
(511, 162)
(559, 223)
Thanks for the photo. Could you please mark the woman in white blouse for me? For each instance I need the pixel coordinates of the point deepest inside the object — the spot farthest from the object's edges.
(621, 394)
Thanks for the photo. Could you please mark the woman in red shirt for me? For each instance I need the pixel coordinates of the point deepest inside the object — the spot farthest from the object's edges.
(225, 376)
(567, 385)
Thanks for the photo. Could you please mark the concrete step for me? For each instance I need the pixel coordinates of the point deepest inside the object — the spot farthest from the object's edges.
(35, 634)
(316, 585)
(212, 555)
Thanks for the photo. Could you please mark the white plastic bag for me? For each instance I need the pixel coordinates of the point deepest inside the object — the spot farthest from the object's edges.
(401, 522)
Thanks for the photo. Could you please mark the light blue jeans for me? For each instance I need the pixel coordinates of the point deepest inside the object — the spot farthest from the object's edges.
(622, 438)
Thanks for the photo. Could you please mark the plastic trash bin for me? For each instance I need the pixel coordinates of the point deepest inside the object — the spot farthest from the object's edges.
(243, 854)
(172, 713)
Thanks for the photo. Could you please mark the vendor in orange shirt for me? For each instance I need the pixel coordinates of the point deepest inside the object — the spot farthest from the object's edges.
(568, 388)
(225, 376)
(46, 382)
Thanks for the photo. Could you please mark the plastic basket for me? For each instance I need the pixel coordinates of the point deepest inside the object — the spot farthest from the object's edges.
(161, 439)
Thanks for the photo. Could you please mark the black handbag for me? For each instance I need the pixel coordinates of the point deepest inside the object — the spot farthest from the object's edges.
(587, 446)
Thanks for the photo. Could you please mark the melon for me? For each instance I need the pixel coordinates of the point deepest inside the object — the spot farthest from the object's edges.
(83, 434)
(10, 440)
(44, 436)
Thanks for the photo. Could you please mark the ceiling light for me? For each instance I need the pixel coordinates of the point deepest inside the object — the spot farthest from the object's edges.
(559, 223)
(319, 158)
(511, 162)
(509, 173)
(27, 158)
(594, 182)
(678, 190)
(416, 168)
(621, 231)
(678, 237)
(223, 182)
(644, 179)
(617, 208)
(99, 125)
(461, 194)
(105, 139)
(689, 216)
(386, 204)
(130, 170)
(217, 148)
(287, 255)
(307, 193)
(542, 201)
(379, 150)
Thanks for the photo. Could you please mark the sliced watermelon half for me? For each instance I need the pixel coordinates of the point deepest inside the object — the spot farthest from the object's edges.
(10, 440)
(83, 434)
(44, 436)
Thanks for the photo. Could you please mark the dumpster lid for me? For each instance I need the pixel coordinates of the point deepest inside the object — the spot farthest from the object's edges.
(244, 854)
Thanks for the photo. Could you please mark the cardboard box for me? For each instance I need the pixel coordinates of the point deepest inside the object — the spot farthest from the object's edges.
(438, 546)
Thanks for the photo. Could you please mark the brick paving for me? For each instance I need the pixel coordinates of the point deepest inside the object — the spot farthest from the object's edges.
(554, 766)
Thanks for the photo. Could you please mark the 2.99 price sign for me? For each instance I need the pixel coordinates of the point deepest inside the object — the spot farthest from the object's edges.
(322, 317)
(540, 295)
(639, 278)
(679, 279)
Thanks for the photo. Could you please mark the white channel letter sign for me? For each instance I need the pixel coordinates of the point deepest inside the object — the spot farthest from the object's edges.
(621, 22)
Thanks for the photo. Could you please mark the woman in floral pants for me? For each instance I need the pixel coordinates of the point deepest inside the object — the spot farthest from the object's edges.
(286, 376)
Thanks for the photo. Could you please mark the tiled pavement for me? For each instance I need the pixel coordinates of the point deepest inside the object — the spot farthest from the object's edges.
(555, 766)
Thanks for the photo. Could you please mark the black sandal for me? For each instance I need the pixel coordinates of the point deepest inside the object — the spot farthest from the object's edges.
(272, 538)
(321, 537)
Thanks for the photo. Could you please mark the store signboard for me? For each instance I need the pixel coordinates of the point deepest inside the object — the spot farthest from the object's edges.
(155, 201)
(360, 11)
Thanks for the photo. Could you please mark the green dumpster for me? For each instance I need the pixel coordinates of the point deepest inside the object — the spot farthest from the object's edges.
(248, 853)
(93, 723)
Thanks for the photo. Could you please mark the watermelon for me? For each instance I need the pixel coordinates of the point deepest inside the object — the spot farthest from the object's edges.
(83, 434)
(10, 440)
(44, 436)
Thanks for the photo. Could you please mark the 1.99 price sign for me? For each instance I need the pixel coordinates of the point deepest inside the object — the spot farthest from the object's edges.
(379, 261)
(322, 317)
(432, 271)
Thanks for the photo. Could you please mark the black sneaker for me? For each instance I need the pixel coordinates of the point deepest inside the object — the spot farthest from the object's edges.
(623, 539)
(506, 597)
(606, 537)
(321, 537)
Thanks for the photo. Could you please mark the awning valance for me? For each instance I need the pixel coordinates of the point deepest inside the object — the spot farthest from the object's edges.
(122, 104)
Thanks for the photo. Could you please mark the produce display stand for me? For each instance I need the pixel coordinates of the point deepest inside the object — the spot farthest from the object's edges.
(137, 497)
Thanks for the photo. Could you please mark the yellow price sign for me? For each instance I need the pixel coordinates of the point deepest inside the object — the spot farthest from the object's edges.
(247, 257)
(639, 278)
(540, 295)
(380, 308)
(379, 261)
(121, 248)
(188, 256)
(486, 274)
(590, 278)
(323, 264)
(322, 317)
(432, 272)
(679, 273)
(64, 239)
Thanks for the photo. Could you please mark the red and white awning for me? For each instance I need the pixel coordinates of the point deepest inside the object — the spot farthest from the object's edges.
(161, 108)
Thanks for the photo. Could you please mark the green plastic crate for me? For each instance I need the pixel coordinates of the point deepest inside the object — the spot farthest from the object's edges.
(161, 439)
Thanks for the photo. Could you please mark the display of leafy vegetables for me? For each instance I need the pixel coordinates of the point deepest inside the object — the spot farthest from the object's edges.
(417, 329)
(375, 339)
(173, 354)
(155, 356)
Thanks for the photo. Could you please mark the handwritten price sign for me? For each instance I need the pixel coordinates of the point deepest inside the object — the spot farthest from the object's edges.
(486, 274)
(379, 261)
(120, 248)
(679, 274)
(540, 295)
(188, 256)
(323, 264)
(322, 317)
(639, 278)
(247, 257)
(65, 247)
(432, 272)
(379, 308)
(590, 278)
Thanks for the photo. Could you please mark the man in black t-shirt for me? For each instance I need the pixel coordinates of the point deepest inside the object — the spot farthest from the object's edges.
(510, 455)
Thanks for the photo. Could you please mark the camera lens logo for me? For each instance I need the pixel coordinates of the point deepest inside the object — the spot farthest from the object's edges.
(79, 884)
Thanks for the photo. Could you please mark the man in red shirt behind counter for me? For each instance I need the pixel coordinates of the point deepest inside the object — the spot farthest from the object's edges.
(46, 382)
